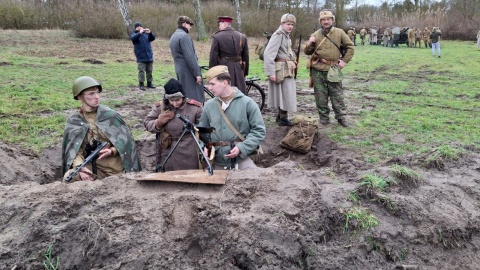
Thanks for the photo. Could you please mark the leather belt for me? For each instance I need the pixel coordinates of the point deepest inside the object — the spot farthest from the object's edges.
(232, 58)
(280, 60)
(224, 143)
(328, 62)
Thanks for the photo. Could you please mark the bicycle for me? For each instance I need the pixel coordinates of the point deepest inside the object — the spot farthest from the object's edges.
(251, 82)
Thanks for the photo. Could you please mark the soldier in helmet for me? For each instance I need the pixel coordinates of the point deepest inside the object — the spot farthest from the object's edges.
(91, 125)
(230, 48)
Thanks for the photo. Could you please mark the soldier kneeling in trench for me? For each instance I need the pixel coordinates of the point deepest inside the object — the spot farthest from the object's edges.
(90, 126)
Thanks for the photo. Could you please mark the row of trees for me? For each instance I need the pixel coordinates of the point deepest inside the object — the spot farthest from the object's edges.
(459, 19)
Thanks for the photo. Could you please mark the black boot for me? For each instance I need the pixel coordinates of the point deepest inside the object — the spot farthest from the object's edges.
(282, 118)
(150, 85)
(141, 86)
(343, 122)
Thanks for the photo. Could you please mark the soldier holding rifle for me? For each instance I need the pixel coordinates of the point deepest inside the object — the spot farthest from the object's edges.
(90, 126)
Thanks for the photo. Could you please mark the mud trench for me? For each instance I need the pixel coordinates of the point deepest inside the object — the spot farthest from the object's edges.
(290, 213)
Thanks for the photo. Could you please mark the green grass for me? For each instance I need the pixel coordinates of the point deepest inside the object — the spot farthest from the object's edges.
(372, 183)
(360, 218)
(401, 101)
(50, 263)
(406, 174)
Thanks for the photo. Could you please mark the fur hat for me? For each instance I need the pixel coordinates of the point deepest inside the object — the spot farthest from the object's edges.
(137, 24)
(326, 14)
(215, 71)
(173, 88)
(288, 18)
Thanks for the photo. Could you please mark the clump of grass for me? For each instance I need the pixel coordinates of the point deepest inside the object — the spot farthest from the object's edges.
(360, 218)
(403, 173)
(374, 187)
(353, 197)
(50, 263)
(372, 184)
(440, 154)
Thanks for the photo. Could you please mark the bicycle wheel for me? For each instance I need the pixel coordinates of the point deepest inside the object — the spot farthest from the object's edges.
(256, 92)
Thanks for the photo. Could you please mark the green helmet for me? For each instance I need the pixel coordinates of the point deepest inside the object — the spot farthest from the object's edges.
(83, 83)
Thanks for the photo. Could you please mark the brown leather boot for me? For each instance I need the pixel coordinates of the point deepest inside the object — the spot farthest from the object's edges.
(343, 122)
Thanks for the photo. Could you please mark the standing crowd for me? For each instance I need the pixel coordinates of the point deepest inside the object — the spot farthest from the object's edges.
(236, 118)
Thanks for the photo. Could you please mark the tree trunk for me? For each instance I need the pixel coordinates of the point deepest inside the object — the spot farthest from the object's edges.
(126, 17)
(239, 15)
(202, 35)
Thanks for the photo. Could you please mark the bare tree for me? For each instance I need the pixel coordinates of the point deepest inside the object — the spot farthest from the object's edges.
(202, 34)
(126, 17)
(239, 15)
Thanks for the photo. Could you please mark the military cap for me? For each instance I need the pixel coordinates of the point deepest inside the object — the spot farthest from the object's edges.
(326, 13)
(224, 19)
(137, 24)
(184, 19)
(215, 71)
(288, 18)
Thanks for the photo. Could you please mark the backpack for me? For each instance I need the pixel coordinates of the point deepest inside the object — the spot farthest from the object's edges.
(300, 137)
(260, 50)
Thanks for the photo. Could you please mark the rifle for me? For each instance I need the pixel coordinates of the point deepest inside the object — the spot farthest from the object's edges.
(298, 55)
(91, 158)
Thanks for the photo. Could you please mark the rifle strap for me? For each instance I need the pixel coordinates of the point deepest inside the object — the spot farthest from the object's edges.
(332, 41)
(311, 58)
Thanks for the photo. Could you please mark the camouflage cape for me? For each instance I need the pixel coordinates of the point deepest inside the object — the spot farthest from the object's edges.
(114, 128)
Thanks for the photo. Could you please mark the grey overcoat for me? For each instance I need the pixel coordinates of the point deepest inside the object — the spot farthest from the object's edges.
(186, 64)
(280, 95)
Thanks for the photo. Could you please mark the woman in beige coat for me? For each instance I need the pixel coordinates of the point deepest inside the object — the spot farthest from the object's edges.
(279, 63)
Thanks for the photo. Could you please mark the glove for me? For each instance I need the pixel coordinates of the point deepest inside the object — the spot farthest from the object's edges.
(164, 117)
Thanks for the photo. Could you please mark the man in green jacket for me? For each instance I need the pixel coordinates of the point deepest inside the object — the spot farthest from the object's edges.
(234, 140)
(324, 46)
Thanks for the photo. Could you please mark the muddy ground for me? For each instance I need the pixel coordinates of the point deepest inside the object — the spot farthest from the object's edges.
(290, 213)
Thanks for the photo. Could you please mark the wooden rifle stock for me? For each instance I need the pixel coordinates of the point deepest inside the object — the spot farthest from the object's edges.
(298, 55)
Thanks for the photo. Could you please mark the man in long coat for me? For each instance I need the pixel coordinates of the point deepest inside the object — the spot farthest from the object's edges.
(230, 48)
(282, 91)
(186, 60)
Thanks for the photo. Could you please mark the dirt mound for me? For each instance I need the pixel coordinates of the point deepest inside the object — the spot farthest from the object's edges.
(294, 213)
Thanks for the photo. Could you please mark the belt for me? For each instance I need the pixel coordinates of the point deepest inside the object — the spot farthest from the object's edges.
(280, 60)
(327, 62)
(232, 58)
(224, 143)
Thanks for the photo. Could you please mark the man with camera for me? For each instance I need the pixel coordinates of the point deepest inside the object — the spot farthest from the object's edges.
(141, 38)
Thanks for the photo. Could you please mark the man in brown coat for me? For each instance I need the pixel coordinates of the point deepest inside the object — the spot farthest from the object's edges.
(230, 48)
(326, 56)
(426, 37)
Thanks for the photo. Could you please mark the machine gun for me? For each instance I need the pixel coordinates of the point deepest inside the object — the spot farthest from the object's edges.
(92, 157)
(204, 135)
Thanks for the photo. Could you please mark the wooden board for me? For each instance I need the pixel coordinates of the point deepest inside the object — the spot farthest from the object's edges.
(219, 177)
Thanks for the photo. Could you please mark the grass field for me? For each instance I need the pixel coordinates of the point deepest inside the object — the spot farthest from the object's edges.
(400, 100)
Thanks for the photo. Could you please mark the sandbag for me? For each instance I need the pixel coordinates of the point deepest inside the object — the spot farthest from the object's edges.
(301, 135)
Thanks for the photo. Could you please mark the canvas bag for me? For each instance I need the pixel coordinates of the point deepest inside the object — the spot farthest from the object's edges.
(334, 74)
(300, 137)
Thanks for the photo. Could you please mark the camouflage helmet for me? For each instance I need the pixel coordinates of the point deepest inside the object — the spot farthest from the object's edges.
(83, 83)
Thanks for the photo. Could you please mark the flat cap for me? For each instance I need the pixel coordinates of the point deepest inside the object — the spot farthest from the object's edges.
(184, 19)
(137, 24)
(215, 71)
(224, 19)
